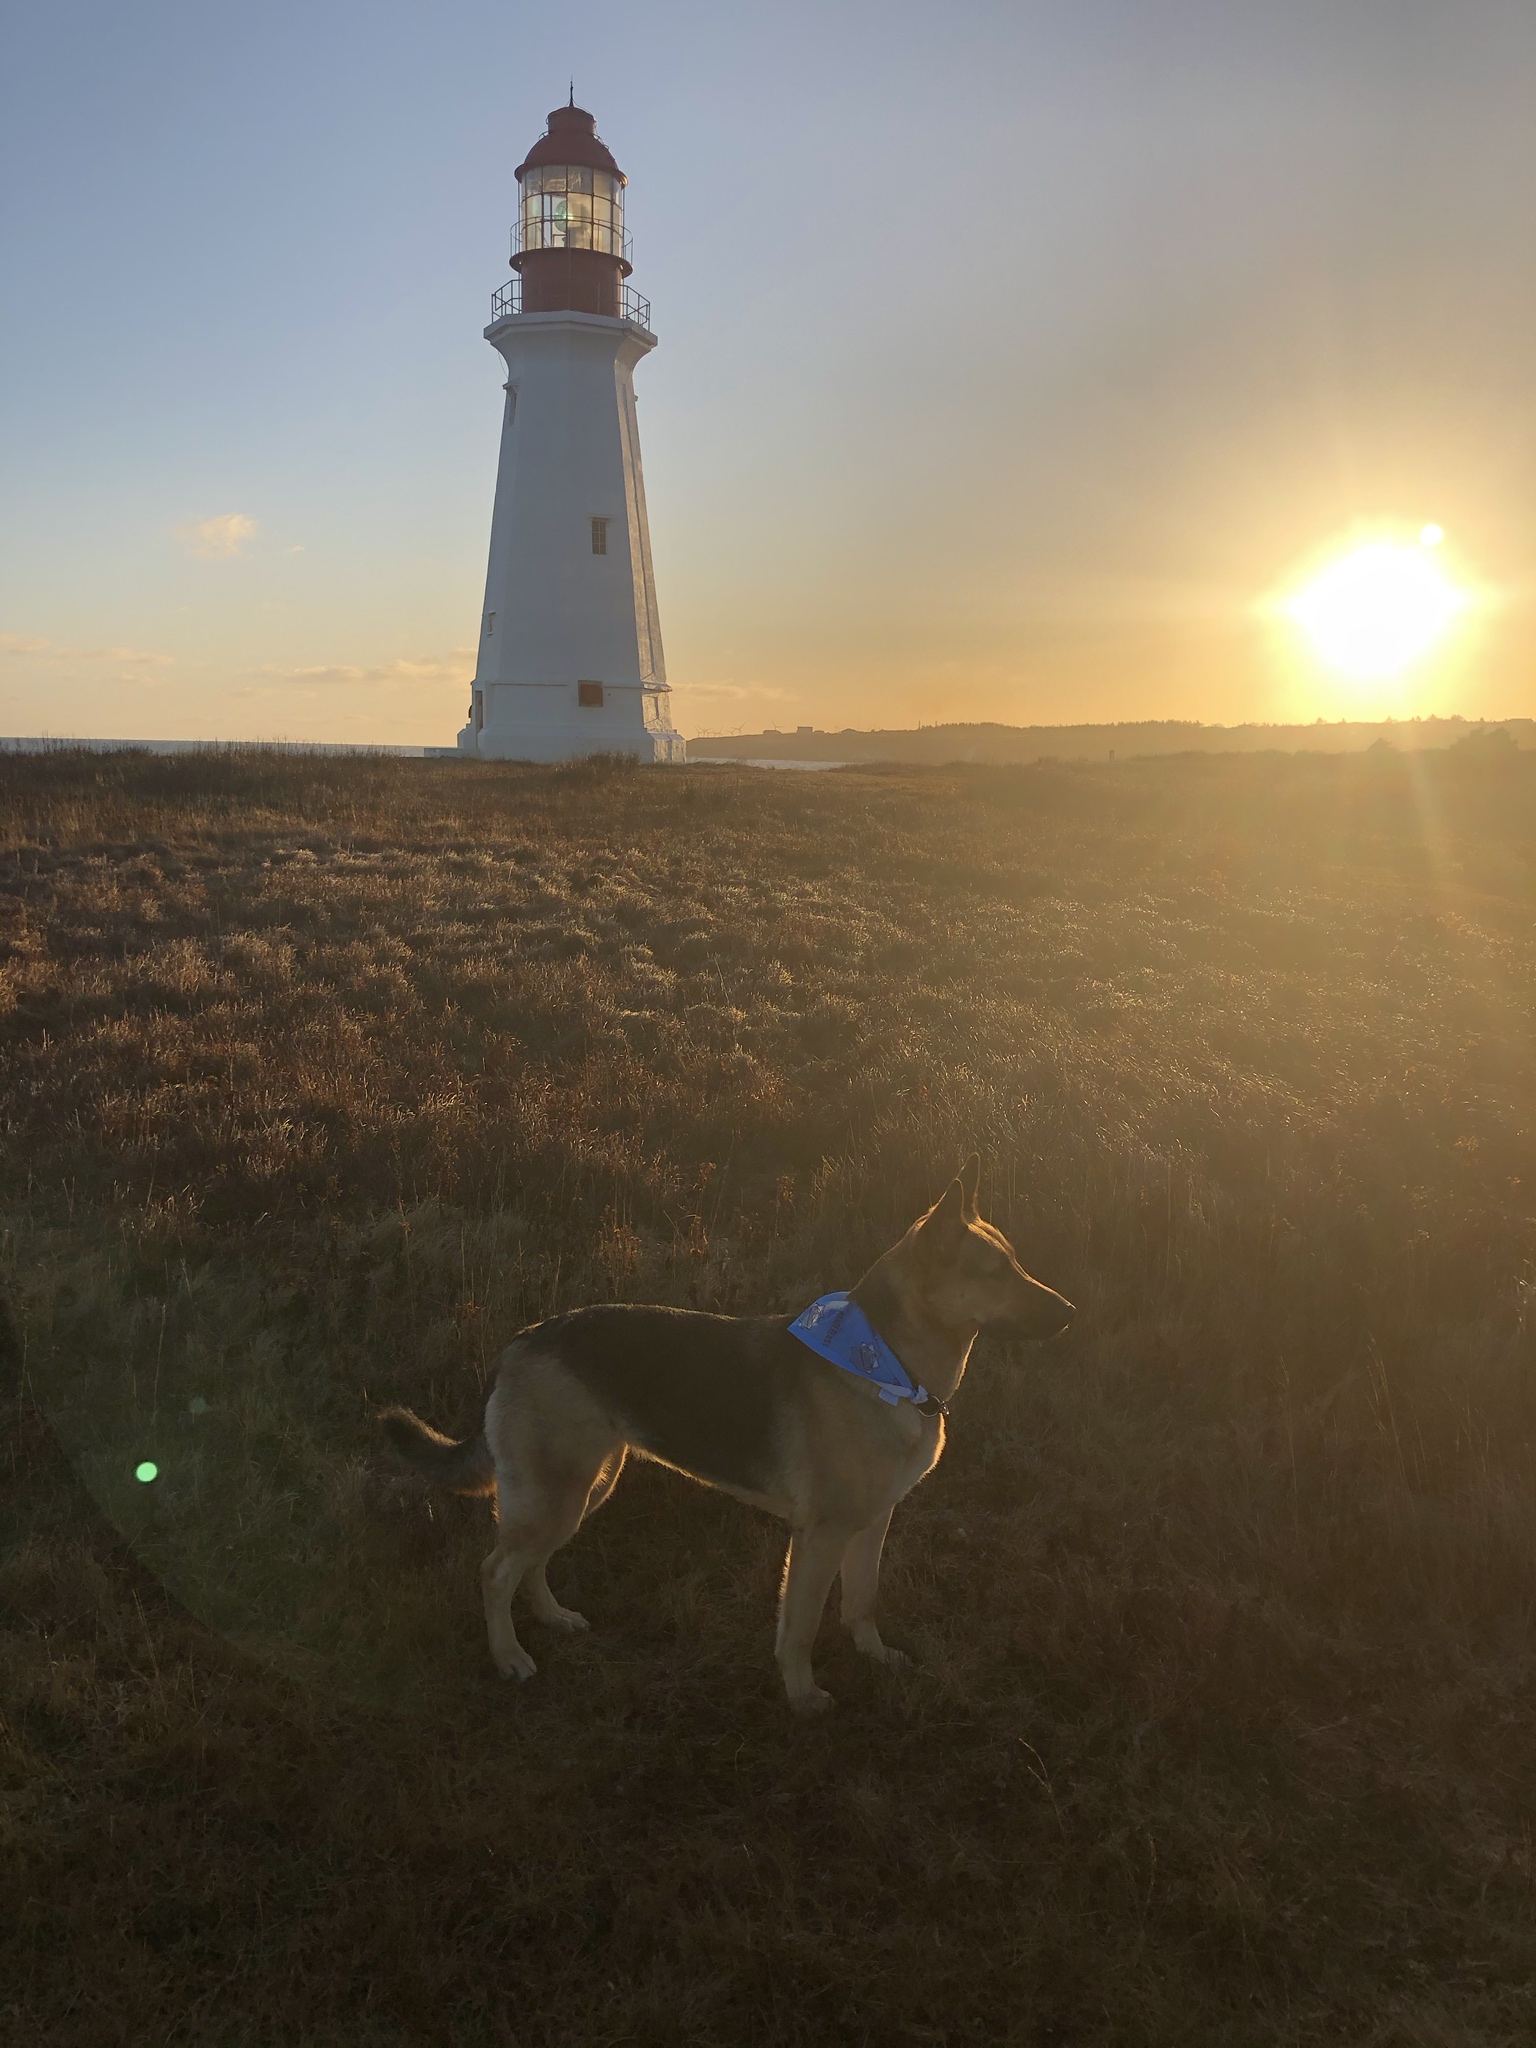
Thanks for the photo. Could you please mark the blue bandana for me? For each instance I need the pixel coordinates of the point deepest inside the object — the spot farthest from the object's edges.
(838, 1329)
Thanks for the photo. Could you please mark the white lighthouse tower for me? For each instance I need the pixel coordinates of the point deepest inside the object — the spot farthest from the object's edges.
(570, 643)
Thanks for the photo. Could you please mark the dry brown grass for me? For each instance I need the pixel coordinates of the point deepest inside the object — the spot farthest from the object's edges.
(322, 1077)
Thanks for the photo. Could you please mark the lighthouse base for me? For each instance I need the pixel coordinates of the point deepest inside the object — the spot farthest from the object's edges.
(569, 722)
(571, 746)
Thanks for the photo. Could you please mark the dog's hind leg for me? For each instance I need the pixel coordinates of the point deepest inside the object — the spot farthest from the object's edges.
(569, 1505)
(553, 1451)
(500, 1575)
(547, 1608)
(861, 1581)
(583, 1496)
(606, 1480)
(809, 1569)
(535, 1517)
(532, 1538)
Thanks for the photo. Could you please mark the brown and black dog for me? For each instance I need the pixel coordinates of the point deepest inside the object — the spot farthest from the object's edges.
(741, 1404)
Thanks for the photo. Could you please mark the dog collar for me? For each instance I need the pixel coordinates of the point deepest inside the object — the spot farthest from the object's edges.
(838, 1329)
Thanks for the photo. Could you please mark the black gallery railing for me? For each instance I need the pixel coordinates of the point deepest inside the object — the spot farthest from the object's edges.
(507, 304)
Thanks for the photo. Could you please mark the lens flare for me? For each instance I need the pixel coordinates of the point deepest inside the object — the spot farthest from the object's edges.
(1380, 608)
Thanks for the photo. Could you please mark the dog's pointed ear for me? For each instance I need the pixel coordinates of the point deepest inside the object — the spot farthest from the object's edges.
(970, 1181)
(946, 1219)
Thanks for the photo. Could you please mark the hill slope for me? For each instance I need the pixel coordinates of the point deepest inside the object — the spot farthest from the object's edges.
(321, 1077)
(938, 744)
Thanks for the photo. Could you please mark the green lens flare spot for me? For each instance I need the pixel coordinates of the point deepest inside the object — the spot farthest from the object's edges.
(146, 1472)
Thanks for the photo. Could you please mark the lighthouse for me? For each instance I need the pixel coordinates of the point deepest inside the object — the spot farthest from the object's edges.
(569, 640)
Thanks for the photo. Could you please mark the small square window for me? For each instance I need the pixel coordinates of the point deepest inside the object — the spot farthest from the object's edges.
(590, 696)
(599, 536)
(490, 624)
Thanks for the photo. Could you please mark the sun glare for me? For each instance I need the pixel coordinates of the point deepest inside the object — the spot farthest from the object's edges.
(1380, 608)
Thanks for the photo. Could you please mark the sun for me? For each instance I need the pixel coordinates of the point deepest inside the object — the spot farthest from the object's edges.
(1379, 609)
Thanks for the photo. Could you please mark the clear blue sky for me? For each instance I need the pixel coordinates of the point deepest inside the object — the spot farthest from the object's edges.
(1010, 354)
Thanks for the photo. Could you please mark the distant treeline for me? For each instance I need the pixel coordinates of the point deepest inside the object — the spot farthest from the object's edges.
(937, 743)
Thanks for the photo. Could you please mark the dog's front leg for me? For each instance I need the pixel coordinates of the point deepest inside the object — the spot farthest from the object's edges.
(809, 1569)
(861, 1580)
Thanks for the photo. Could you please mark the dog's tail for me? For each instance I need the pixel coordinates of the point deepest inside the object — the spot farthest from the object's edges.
(465, 1467)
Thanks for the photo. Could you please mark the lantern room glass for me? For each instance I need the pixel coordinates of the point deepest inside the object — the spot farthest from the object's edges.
(568, 206)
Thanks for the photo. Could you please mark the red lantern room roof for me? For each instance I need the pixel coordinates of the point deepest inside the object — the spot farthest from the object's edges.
(571, 138)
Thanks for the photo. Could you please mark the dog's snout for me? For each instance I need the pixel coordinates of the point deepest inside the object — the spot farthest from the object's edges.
(1045, 1315)
(1056, 1315)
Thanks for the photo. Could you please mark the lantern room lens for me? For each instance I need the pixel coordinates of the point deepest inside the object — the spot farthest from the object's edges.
(568, 206)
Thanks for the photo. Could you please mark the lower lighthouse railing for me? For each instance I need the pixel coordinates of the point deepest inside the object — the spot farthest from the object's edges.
(507, 304)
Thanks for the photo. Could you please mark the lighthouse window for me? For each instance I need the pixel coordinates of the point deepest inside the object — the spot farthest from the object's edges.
(490, 624)
(590, 696)
(568, 206)
(599, 536)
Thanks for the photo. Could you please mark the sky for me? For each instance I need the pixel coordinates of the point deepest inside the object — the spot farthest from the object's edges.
(1015, 359)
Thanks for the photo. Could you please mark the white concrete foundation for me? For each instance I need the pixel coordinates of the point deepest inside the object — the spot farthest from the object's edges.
(558, 614)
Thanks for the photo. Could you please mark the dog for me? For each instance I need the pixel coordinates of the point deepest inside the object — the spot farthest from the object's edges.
(741, 1403)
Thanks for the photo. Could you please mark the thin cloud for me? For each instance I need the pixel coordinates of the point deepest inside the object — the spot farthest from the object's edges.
(20, 648)
(215, 539)
(446, 668)
(753, 690)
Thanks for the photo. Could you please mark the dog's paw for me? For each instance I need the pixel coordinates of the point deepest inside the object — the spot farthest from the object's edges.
(812, 1701)
(565, 1618)
(516, 1664)
(866, 1640)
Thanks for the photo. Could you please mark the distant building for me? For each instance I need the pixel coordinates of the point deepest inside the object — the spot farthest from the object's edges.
(570, 658)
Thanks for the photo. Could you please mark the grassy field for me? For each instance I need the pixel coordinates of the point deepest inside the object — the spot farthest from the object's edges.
(321, 1077)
